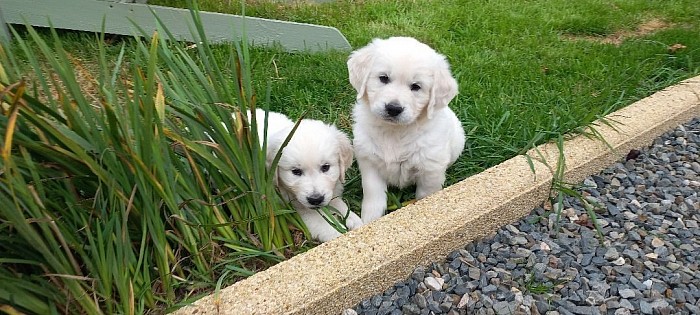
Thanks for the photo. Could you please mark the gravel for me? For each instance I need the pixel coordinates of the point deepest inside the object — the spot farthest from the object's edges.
(645, 262)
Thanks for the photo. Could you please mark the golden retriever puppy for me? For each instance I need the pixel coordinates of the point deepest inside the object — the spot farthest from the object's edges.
(404, 133)
(311, 170)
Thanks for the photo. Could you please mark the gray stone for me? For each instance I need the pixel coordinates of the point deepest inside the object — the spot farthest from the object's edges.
(420, 300)
(486, 301)
(625, 303)
(584, 310)
(634, 236)
(645, 307)
(595, 298)
(626, 293)
(434, 284)
(542, 306)
(438, 296)
(612, 254)
(434, 306)
(504, 307)
(365, 304)
(692, 309)
(679, 295)
(622, 311)
(386, 310)
(463, 301)
(637, 284)
(418, 273)
(518, 240)
(632, 254)
(349, 311)
(658, 304)
(461, 289)
(445, 306)
(474, 273)
(376, 300)
(489, 289)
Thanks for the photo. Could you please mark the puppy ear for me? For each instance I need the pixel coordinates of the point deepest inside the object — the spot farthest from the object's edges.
(345, 153)
(269, 158)
(444, 88)
(359, 65)
(273, 146)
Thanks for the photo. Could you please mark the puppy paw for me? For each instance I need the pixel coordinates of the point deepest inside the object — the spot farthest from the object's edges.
(326, 235)
(366, 219)
(353, 221)
(372, 210)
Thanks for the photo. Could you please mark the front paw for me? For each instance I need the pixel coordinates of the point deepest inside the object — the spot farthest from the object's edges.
(423, 192)
(353, 221)
(369, 217)
(372, 210)
(326, 234)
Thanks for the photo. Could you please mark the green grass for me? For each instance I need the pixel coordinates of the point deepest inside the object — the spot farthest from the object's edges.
(526, 76)
(510, 58)
(522, 78)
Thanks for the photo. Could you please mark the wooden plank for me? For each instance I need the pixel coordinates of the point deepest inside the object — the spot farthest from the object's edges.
(87, 15)
(126, 1)
(4, 31)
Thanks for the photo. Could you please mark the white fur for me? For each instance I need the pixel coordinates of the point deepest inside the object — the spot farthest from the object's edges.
(415, 146)
(313, 145)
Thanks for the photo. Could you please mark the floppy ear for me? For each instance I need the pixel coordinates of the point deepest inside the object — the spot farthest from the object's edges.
(444, 88)
(345, 153)
(269, 158)
(359, 65)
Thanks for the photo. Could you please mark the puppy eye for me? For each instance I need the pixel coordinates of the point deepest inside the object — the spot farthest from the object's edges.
(415, 87)
(384, 78)
(325, 167)
(297, 172)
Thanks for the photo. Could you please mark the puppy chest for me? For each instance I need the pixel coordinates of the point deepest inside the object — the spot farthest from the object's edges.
(399, 167)
(401, 174)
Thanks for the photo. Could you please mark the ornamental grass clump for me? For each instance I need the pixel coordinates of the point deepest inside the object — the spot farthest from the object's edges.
(134, 187)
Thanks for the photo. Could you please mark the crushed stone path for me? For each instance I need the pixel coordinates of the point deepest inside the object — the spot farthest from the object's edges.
(646, 260)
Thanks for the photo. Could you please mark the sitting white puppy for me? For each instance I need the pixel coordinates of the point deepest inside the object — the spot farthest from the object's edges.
(311, 170)
(404, 133)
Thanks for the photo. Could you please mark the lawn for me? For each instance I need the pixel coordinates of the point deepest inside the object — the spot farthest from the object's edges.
(110, 216)
(527, 70)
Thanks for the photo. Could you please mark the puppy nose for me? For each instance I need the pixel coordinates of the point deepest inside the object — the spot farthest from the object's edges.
(315, 199)
(393, 109)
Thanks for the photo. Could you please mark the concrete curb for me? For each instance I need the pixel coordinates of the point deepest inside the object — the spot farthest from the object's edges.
(338, 274)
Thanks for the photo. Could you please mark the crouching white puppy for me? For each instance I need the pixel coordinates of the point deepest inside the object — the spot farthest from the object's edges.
(311, 170)
(404, 133)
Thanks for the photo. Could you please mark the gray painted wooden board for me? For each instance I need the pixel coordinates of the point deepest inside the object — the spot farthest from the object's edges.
(126, 1)
(4, 32)
(87, 15)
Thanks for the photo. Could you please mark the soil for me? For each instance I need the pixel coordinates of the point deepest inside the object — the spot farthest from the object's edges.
(617, 38)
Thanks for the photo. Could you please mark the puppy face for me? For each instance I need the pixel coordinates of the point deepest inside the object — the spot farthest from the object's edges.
(401, 79)
(312, 164)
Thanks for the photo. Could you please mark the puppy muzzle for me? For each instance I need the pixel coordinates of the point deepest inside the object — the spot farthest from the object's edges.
(315, 200)
(393, 109)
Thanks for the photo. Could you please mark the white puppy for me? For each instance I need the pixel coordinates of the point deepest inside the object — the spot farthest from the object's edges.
(311, 170)
(404, 133)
